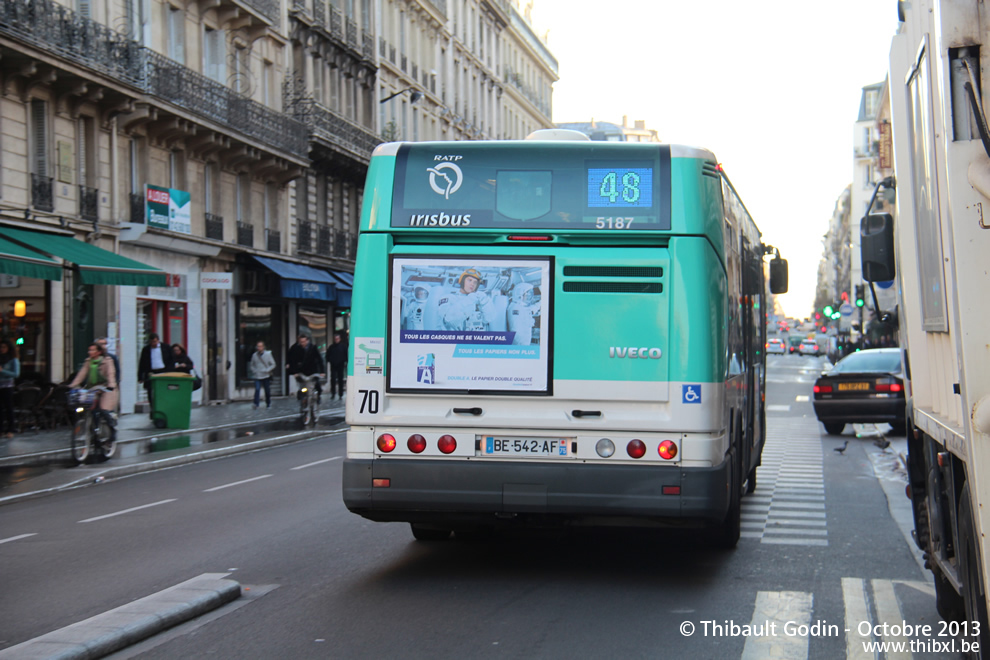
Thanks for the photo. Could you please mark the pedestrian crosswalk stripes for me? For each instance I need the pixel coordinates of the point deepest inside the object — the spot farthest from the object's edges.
(788, 505)
(785, 625)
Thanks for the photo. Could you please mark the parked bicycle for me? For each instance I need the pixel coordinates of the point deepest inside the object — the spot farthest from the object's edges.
(93, 430)
(308, 398)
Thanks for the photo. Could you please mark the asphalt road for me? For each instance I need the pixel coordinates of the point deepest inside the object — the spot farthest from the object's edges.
(820, 545)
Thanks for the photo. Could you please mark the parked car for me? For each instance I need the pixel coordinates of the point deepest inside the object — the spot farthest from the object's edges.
(775, 345)
(866, 386)
(809, 347)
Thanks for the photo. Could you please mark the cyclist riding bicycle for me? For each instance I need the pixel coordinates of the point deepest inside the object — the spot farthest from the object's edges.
(98, 371)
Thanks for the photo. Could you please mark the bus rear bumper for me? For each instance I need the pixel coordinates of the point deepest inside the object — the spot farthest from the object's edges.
(481, 492)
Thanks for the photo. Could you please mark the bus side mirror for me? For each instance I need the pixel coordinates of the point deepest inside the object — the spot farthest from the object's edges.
(877, 240)
(778, 275)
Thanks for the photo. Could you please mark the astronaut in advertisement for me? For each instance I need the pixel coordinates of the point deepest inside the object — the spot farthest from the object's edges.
(468, 308)
(522, 313)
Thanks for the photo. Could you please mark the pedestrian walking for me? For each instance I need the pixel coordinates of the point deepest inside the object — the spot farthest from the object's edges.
(180, 360)
(260, 368)
(152, 361)
(337, 362)
(10, 371)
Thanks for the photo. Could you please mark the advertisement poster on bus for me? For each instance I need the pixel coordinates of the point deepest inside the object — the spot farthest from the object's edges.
(468, 324)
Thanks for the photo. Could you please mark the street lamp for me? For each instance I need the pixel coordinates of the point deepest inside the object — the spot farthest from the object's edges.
(415, 96)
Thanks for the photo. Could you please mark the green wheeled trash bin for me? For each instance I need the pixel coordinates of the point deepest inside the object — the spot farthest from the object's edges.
(171, 399)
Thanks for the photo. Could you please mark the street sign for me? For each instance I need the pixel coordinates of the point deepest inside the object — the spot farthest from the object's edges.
(846, 309)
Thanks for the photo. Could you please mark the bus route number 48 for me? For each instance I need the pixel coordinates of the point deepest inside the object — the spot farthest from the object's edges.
(613, 223)
(369, 401)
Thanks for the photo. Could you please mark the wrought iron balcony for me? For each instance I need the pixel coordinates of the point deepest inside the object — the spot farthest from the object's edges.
(42, 197)
(324, 241)
(245, 234)
(273, 240)
(352, 34)
(336, 24)
(137, 208)
(267, 8)
(193, 91)
(327, 125)
(53, 27)
(368, 45)
(320, 13)
(340, 241)
(89, 208)
(441, 5)
(214, 226)
(304, 236)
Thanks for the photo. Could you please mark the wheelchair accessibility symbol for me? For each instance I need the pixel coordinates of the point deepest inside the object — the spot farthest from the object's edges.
(691, 393)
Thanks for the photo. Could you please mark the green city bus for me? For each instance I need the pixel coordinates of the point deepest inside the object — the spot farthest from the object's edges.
(555, 331)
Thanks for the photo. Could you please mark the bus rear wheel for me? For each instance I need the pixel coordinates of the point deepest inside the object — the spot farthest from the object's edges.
(427, 533)
(726, 534)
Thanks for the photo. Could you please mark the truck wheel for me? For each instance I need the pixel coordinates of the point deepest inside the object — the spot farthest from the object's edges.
(971, 573)
(834, 428)
(421, 533)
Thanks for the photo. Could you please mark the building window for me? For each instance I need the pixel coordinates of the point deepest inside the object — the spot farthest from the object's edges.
(302, 198)
(268, 84)
(177, 170)
(85, 141)
(39, 137)
(211, 179)
(175, 24)
(243, 197)
(271, 206)
(213, 60)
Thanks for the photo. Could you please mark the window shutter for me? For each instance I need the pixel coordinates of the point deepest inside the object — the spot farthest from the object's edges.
(39, 137)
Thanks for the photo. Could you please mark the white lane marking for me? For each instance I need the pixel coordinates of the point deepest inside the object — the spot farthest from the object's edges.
(120, 513)
(786, 541)
(857, 611)
(18, 538)
(236, 483)
(889, 612)
(778, 608)
(778, 408)
(325, 460)
(801, 397)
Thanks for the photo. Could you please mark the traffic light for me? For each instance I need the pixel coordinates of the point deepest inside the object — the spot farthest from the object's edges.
(859, 296)
(827, 311)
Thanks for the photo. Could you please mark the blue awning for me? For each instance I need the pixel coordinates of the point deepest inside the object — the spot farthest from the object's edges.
(301, 282)
(345, 283)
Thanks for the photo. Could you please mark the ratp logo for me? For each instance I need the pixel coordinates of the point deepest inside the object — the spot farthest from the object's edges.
(441, 182)
(426, 369)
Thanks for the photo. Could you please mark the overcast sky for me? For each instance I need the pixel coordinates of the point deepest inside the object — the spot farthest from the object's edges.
(772, 87)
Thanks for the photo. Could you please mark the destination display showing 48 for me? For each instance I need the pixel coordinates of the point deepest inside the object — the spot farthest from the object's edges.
(617, 187)
(489, 185)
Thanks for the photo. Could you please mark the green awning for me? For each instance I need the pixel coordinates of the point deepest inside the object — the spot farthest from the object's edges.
(18, 260)
(96, 265)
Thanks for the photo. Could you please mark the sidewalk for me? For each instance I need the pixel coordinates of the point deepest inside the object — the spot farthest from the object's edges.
(221, 429)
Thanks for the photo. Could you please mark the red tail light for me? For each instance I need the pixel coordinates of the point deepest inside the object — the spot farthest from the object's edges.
(667, 449)
(416, 443)
(636, 448)
(386, 442)
(446, 444)
(889, 387)
(823, 389)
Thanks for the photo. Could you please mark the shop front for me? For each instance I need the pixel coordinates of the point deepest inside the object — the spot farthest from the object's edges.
(277, 300)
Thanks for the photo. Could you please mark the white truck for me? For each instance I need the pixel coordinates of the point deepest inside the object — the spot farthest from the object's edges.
(938, 249)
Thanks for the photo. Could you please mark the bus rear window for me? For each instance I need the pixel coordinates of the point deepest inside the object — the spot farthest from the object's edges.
(570, 186)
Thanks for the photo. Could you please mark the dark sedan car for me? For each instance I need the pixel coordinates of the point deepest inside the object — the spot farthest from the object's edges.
(866, 386)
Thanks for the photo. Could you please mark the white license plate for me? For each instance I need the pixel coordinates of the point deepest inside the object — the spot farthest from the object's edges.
(542, 447)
